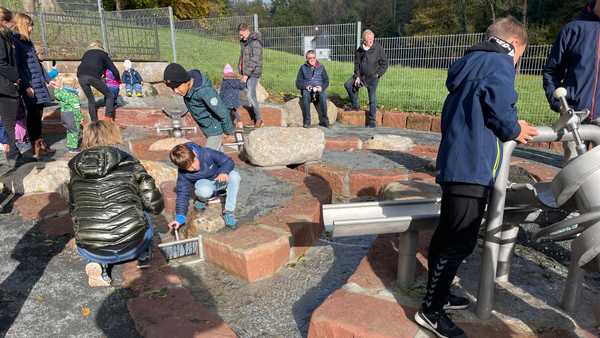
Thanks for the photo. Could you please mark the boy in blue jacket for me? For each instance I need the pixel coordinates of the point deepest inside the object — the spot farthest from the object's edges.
(478, 115)
(207, 172)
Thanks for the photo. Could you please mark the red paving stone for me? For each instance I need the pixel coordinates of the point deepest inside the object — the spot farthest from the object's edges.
(357, 117)
(436, 124)
(172, 313)
(169, 196)
(250, 252)
(540, 172)
(425, 151)
(419, 122)
(394, 119)
(344, 143)
(36, 206)
(346, 314)
(369, 182)
(57, 226)
(338, 177)
(272, 117)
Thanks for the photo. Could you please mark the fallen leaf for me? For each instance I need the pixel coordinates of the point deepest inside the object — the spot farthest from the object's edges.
(85, 311)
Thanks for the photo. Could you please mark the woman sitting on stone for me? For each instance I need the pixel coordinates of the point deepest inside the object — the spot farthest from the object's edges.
(110, 193)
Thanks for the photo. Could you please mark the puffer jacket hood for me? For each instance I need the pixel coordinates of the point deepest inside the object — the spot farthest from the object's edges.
(109, 192)
(97, 162)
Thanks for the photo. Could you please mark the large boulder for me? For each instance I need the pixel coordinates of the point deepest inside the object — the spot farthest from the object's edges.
(278, 146)
(389, 142)
(40, 177)
(292, 113)
(161, 172)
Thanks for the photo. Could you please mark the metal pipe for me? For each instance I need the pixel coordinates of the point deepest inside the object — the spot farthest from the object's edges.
(103, 27)
(572, 287)
(588, 132)
(172, 26)
(407, 258)
(358, 34)
(493, 236)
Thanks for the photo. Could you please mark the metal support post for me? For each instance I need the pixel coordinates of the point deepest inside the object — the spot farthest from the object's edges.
(42, 16)
(573, 287)
(407, 257)
(358, 33)
(103, 27)
(172, 25)
(255, 22)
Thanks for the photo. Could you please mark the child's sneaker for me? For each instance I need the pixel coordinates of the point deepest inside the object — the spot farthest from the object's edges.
(138, 94)
(199, 205)
(230, 220)
(97, 275)
(73, 150)
(129, 94)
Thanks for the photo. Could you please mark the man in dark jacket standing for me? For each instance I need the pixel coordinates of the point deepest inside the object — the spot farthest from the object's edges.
(250, 66)
(479, 113)
(370, 63)
(94, 62)
(573, 64)
(312, 81)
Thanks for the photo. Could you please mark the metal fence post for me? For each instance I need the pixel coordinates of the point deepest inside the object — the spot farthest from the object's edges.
(255, 22)
(103, 27)
(43, 32)
(358, 33)
(172, 24)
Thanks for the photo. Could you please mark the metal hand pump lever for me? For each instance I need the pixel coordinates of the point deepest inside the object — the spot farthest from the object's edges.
(570, 119)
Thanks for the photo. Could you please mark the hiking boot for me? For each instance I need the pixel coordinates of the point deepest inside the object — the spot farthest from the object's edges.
(457, 303)
(145, 258)
(440, 324)
(230, 221)
(259, 124)
(97, 275)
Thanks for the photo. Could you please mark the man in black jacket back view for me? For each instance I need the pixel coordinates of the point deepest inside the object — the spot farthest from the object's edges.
(89, 74)
(370, 63)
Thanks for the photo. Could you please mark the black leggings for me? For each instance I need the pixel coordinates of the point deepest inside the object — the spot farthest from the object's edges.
(87, 82)
(34, 120)
(8, 112)
(454, 240)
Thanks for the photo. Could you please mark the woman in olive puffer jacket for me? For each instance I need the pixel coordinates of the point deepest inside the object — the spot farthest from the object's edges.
(110, 193)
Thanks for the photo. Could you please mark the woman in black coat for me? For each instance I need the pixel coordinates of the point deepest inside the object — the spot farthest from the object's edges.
(34, 80)
(9, 80)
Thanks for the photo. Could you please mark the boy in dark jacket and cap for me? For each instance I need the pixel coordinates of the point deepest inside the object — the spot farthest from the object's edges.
(202, 101)
(479, 113)
(573, 64)
(313, 81)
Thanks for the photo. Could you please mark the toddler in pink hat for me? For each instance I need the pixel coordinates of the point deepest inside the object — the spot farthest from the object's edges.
(230, 93)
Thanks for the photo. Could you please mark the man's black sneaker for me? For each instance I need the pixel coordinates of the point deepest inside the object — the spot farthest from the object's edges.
(439, 324)
(457, 303)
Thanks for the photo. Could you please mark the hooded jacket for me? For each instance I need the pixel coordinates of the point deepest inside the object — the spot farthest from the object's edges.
(250, 62)
(312, 76)
(31, 72)
(94, 62)
(479, 113)
(574, 63)
(131, 77)
(370, 64)
(230, 91)
(9, 74)
(212, 163)
(206, 107)
(109, 191)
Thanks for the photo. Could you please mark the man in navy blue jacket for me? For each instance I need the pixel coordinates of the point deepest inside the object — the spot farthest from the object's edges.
(313, 81)
(207, 172)
(478, 115)
(573, 64)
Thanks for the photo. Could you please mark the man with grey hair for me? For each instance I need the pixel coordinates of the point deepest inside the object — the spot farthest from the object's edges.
(312, 81)
(478, 115)
(370, 63)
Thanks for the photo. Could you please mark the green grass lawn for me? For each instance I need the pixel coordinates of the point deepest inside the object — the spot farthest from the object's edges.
(401, 88)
